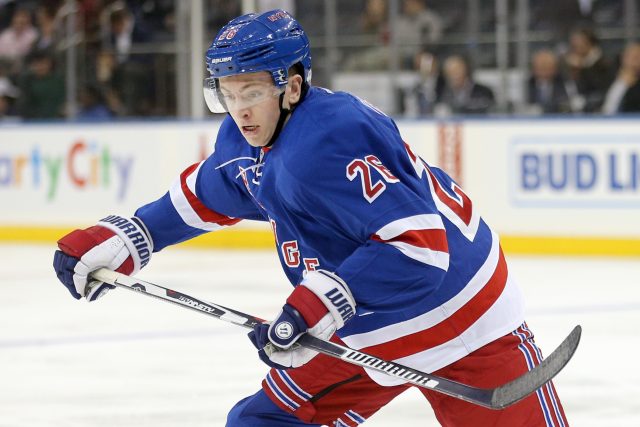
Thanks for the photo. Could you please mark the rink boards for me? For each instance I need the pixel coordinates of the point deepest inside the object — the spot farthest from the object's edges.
(568, 186)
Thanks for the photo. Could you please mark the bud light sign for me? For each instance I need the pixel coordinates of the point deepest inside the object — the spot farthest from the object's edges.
(575, 171)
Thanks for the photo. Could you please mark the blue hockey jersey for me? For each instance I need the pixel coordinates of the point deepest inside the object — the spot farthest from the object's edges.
(343, 192)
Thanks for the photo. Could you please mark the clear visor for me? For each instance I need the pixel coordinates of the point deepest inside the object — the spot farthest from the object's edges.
(223, 100)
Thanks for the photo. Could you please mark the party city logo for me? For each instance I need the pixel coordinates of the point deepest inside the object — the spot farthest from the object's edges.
(83, 165)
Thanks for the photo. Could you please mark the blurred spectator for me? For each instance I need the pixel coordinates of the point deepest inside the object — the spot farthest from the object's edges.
(45, 18)
(610, 13)
(128, 77)
(92, 105)
(5, 76)
(132, 89)
(17, 39)
(546, 90)
(89, 14)
(107, 75)
(167, 30)
(8, 93)
(374, 19)
(6, 106)
(152, 12)
(125, 31)
(105, 66)
(624, 94)
(561, 16)
(42, 90)
(461, 94)
(421, 99)
(417, 26)
(588, 71)
(373, 22)
(6, 12)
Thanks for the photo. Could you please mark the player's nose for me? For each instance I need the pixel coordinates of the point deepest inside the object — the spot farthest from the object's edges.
(245, 112)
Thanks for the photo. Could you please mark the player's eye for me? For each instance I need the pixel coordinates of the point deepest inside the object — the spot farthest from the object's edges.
(228, 97)
(254, 95)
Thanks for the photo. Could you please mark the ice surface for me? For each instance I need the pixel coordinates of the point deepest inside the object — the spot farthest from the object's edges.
(127, 360)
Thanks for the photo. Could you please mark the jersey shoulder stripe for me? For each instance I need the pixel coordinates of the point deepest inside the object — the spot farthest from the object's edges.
(420, 237)
(192, 211)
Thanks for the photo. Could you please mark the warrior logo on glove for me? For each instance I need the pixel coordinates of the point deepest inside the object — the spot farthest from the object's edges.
(341, 303)
(118, 243)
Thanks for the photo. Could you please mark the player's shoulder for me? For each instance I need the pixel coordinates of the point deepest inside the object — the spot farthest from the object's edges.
(341, 118)
(339, 110)
(332, 128)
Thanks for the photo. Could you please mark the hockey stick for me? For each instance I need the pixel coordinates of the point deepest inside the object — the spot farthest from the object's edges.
(496, 398)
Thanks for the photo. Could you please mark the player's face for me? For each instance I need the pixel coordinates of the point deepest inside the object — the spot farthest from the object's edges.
(252, 100)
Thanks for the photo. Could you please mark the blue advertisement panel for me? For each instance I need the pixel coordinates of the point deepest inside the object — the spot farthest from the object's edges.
(582, 171)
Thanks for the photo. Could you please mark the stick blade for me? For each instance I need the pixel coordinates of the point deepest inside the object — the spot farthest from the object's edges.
(523, 386)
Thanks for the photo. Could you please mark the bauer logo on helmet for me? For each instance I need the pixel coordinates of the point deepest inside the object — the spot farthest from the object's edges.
(219, 60)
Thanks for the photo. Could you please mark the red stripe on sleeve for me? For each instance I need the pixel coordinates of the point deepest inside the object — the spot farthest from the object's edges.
(200, 209)
(435, 239)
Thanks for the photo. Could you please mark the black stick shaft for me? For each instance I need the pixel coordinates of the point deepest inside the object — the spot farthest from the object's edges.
(497, 398)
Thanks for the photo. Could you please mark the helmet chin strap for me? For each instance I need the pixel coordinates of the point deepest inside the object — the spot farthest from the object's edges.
(284, 112)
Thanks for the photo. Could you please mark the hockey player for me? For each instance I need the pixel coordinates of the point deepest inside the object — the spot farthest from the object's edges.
(385, 252)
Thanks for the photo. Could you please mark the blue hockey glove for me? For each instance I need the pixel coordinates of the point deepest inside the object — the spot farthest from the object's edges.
(120, 244)
(320, 305)
(278, 335)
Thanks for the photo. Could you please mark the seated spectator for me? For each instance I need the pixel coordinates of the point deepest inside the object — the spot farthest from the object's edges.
(167, 30)
(546, 89)
(42, 90)
(417, 26)
(154, 14)
(588, 71)
(461, 94)
(623, 95)
(125, 31)
(8, 95)
(561, 17)
(108, 77)
(6, 84)
(47, 38)
(421, 99)
(17, 39)
(373, 22)
(5, 106)
(7, 7)
(128, 79)
(92, 105)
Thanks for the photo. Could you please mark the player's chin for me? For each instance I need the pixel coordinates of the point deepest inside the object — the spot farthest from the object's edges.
(257, 140)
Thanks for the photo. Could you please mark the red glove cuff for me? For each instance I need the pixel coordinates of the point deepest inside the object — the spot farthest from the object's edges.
(79, 242)
(308, 305)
